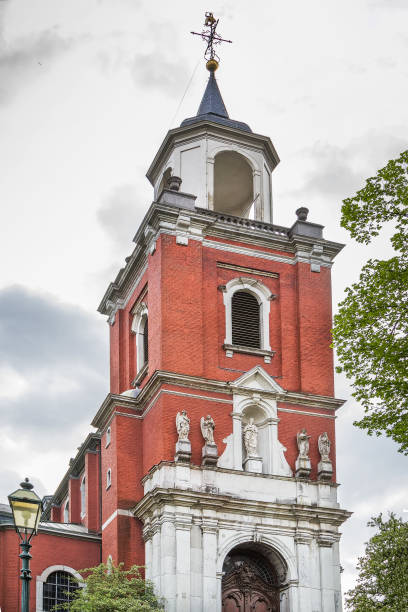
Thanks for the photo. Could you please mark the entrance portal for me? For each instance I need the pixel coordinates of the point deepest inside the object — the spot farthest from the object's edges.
(250, 582)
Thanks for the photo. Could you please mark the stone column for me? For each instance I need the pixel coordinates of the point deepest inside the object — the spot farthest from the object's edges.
(156, 565)
(259, 208)
(209, 528)
(147, 536)
(303, 541)
(196, 557)
(326, 573)
(210, 183)
(168, 560)
(183, 561)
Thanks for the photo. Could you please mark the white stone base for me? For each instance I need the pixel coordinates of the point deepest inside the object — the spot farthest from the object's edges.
(303, 467)
(194, 516)
(183, 451)
(209, 454)
(253, 464)
(325, 470)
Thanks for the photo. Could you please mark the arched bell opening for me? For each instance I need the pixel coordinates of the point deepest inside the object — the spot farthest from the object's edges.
(233, 184)
(254, 579)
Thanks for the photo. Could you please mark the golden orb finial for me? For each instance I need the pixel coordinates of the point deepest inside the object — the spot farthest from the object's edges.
(212, 65)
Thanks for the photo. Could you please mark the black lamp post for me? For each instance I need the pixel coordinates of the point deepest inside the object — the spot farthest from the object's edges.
(26, 507)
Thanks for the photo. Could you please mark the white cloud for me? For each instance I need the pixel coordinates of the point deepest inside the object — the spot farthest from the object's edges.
(12, 384)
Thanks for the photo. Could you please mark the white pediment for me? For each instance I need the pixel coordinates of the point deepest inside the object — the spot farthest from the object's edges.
(259, 380)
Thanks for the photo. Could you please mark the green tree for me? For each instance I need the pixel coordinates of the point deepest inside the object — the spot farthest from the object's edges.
(371, 328)
(382, 582)
(113, 589)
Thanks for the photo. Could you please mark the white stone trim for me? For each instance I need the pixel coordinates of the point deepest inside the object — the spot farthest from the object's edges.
(262, 295)
(140, 316)
(40, 580)
(82, 491)
(118, 512)
(315, 414)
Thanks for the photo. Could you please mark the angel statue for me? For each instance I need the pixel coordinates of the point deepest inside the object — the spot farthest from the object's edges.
(182, 425)
(324, 446)
(303, 444)
(207, 429)
(251, 438)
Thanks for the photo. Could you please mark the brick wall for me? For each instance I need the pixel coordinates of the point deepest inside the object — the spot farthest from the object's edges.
(47, 550)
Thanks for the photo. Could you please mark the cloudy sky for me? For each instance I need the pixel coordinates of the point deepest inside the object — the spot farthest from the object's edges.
(88, 89)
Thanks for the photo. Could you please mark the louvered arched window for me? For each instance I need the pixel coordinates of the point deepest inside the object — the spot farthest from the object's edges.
(247, 307)
(245, 320)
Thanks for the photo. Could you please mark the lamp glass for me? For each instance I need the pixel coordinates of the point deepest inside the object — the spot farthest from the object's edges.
(26, 507)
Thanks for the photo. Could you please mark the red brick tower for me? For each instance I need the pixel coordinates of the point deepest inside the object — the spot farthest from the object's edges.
(221, 318)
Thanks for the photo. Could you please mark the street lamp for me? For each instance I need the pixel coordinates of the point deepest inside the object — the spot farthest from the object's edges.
(26, 507)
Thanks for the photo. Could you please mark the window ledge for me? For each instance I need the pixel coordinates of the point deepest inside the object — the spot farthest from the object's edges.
(230, 349)
(140, 375)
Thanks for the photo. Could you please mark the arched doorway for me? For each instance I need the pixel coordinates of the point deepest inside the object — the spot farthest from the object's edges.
(252, 580)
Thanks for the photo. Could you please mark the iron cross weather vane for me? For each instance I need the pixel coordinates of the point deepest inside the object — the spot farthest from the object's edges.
(210, 36)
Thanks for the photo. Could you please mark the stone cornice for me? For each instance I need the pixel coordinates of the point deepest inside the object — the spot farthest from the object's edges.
(160, 497)
(76, 465)
(203, 225)
(205, 128)
(161, 377)
(59, 532)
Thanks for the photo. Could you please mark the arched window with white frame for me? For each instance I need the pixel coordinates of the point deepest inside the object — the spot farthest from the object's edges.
(83, 496)
(108, 437)
(247, 308)
(56, 585)
(66, 512)
(140, 328)
(108, 478)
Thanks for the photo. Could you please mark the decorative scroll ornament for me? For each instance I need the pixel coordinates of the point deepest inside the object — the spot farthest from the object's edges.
(324, 446)
(251, 438)
(183, 426)
(303, 444)
(207, 429)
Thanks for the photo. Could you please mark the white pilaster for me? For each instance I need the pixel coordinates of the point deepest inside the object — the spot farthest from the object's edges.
(237, 433)
(303, 560)
(156, 564)
(168, 560)
(183, 561)
(209, 529)
(326, 574)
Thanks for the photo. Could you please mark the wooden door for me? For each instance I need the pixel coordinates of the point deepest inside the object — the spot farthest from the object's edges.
(243, 590)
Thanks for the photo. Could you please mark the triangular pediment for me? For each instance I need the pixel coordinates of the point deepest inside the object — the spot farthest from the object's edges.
(259, 380)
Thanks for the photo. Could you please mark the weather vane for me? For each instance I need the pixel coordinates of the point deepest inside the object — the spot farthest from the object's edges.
(211, 37)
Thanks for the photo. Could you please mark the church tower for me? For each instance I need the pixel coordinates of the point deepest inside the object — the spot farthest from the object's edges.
(218, 435)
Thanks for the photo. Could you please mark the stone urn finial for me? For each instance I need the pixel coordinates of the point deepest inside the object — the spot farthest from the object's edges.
(302, 213)
(174, 183)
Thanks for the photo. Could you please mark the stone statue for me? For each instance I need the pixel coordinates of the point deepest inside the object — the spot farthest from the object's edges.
(303, 444)
(183, 426)
(324, 446)
(207, 429)
(251, 438)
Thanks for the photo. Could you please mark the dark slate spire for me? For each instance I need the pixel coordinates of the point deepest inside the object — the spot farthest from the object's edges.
(212, 107)
(212, 102)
